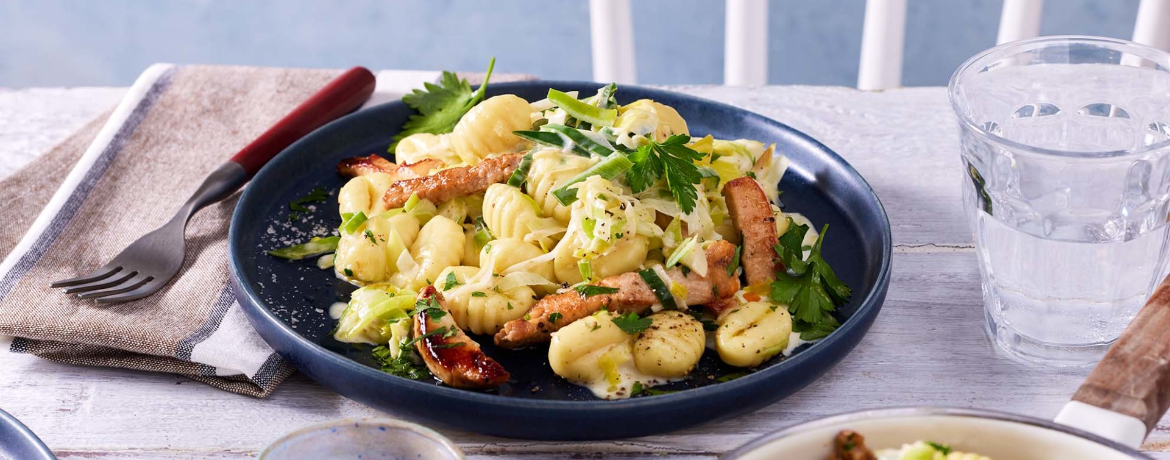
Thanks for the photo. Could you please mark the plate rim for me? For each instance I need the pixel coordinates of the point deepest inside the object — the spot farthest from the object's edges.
(870, 305)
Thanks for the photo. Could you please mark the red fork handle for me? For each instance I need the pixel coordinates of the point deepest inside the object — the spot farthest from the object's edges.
(341, 96)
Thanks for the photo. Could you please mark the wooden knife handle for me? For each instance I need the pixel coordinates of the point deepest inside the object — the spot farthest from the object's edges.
(1134, 377)
(341, 96)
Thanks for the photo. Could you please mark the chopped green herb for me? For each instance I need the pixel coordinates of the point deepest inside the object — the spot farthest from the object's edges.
(440, 106)
(941, 448)
(673, 159)
(370, 236)
(632, 324)
(432, 332)
(639, 389)
(450, 282)
(590, 290)
(479, 294)
(510, 307)
(348, 272)
(731, 376)
(554, 317)
(297, 206)
(734, 265)
(810, 288)
(431, 307)
(314, 247)
(406, 365)
(595, 327)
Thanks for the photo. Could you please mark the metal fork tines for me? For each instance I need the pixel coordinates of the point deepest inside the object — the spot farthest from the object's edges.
(149, 263)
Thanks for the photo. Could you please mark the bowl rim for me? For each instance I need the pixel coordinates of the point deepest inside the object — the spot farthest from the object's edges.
(872, 300)
(918, 411)
(428, 433)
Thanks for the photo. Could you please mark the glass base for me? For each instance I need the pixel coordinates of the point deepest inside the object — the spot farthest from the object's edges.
(1026, 349)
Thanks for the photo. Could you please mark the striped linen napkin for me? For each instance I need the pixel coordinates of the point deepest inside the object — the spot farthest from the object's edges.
(128, 172)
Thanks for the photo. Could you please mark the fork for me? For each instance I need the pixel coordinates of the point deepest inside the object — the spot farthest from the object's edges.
(149, 263)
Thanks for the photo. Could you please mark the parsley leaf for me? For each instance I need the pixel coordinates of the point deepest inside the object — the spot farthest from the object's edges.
(441, 106)
(431, 307)
(450, 282)
(789, 248)
(479, 294)
(553, 318)
(812, 290)
(673, 159)
(631, 324)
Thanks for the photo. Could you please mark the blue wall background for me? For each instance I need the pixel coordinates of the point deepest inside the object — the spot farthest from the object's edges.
(108, 42)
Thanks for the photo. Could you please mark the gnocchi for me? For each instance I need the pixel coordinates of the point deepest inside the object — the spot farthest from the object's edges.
(751, 334)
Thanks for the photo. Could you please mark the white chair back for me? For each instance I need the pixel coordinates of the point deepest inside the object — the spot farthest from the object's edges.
(745, 61)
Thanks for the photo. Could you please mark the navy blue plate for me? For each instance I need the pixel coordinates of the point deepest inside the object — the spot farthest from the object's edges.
(18, 442)
(288, 302)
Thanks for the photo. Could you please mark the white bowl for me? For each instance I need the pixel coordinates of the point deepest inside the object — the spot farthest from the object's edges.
(997, 435)
(369, 439)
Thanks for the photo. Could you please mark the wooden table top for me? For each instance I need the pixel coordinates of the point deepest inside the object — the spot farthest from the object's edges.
(927, 347)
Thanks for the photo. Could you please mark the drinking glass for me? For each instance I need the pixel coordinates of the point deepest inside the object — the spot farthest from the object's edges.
(1066, 185)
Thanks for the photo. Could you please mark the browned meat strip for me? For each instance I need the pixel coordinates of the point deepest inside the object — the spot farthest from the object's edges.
(361, 166)
(449, 353)
(450, 183)
(633, 295)
(850, 445)
(752, 215)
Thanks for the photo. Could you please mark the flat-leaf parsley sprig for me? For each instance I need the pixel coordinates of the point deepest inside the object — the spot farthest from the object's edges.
(809, 286)
(673, 159)
(440, 106)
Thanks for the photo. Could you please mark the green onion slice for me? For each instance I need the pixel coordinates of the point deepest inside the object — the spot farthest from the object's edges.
(350, 225)
(659, 287)
(585, 266)
(314, 247)
(578, 138)
(521, 173)
(609, 168)
(582, 111)
(550, 138)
